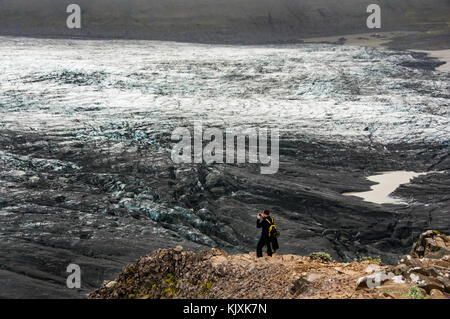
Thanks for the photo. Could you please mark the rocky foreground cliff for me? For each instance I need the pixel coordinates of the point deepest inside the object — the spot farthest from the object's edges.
(175, 273)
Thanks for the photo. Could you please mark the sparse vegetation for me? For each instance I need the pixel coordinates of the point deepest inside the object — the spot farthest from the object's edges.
(207, 285)
(414, 293)
(170, 282)
(322, 256)
(370, 259)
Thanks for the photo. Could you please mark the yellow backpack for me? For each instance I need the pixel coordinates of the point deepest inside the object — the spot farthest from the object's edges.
(273, 232)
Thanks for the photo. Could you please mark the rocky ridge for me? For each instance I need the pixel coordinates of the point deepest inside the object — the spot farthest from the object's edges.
(176, 273)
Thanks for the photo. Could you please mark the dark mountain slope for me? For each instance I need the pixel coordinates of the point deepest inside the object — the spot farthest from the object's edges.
(231, 21)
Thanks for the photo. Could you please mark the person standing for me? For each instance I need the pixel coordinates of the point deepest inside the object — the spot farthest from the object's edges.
(268, 237)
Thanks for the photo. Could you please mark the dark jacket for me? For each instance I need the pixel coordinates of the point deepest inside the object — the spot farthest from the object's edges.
(265, 225)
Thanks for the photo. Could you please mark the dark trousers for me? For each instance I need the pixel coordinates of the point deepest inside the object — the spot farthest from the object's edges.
(263, 241)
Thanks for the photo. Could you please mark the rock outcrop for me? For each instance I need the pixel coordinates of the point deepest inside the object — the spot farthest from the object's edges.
(175, 273)
(431, 244)
(427, 268)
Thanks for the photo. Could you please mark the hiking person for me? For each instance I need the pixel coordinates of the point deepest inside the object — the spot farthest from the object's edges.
(269, 233)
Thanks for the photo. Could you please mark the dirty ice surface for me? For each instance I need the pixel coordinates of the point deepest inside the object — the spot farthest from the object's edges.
(87, 89)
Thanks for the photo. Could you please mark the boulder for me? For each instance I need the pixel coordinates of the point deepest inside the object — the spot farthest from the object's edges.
(431, 244)
(372, 268)
(374, 280)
